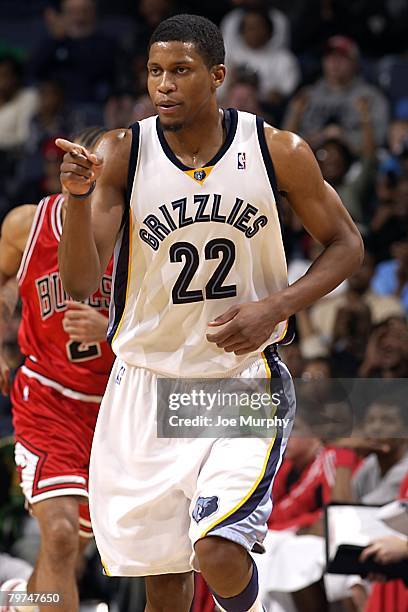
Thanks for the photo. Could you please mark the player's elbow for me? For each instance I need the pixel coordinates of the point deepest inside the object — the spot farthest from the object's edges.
(355, 249)
(80, 277)
(79, 286)
(78, 289)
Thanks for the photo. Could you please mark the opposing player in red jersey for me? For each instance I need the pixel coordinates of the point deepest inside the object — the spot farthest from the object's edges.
(57, 392)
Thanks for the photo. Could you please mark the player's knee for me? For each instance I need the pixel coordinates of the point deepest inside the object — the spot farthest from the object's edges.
(60, 539)
(218, 557)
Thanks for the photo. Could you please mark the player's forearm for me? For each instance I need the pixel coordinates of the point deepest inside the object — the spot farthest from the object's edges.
(337, 262)
(79, 262)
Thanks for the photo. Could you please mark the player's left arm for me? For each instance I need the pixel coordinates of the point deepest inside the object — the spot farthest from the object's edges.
(248, 326)
(322, 214)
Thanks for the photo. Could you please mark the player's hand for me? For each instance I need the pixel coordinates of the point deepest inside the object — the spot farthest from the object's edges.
(79, 168)
(246, 327)
(84, 324)
(4, 376)
(389, 549)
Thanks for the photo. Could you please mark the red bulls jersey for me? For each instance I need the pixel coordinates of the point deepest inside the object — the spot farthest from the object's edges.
(78, 370)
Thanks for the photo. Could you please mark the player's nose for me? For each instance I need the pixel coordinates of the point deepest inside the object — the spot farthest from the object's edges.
(167, 83)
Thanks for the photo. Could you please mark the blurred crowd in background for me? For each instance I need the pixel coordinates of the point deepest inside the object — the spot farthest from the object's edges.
(333, 71)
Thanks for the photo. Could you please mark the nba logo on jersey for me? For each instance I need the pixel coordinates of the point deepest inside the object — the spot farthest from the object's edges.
(199, 175)
(241, 161)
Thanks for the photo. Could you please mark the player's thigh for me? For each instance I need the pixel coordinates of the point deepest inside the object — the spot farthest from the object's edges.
(233, 495)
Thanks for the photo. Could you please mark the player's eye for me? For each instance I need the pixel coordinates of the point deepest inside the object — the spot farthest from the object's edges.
(154, 71)
(182, 70)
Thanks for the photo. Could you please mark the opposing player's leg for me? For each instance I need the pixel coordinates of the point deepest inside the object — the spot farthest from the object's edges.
(53, 443)
(58, 519)
(169, 592)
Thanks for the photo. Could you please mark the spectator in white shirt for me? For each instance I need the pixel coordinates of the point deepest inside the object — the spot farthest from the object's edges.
(254, 47)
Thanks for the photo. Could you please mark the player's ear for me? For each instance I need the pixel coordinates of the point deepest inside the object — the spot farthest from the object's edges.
(218, 75)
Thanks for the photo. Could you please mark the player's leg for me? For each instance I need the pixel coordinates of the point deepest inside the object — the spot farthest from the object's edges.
(169, 592)
(54, 478)
(232, 501)
(55, 569)
(138, 500)
(230, 573)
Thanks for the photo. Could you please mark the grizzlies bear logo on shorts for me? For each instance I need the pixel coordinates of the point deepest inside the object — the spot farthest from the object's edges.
(205, 506)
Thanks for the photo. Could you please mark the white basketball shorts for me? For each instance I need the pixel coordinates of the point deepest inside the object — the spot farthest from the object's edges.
(152, 498)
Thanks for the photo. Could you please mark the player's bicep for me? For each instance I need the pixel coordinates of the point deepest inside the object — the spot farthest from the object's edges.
(314, 201)
(322, 213)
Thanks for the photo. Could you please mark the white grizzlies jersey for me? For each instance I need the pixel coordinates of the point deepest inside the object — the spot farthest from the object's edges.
(195, 242)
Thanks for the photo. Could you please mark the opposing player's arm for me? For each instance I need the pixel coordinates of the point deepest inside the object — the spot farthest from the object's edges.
(14, 234)
(323, 215)
(92, 225)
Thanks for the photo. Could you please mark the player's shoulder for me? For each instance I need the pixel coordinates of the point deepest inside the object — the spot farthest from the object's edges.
(114, 147)
(283, 142)
(115, 141)
(17, 223)
(290, 155)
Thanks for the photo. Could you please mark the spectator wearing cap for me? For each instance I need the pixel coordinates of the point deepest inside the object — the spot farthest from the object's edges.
(333, 99)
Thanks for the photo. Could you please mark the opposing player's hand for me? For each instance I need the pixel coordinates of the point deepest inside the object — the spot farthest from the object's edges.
(79, 168)
(4, 376)
(246, 327)
(84, 323)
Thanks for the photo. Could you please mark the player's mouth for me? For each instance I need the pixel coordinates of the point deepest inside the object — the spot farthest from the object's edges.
(167, 108)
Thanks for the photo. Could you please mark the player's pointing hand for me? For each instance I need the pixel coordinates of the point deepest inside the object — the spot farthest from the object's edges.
(246, 327)
(79, 168)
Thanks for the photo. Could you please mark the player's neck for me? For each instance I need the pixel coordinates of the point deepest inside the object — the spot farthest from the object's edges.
(195, 144)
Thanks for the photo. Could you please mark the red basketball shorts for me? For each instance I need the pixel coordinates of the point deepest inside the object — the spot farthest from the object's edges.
(54, 428)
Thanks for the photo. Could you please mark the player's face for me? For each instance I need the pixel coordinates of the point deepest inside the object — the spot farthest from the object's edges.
(180, 84)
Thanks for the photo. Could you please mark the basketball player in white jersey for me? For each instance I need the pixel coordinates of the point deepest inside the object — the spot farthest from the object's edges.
(187, 200)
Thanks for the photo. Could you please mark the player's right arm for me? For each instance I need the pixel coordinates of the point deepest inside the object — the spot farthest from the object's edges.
(14, 234)
(92, 225)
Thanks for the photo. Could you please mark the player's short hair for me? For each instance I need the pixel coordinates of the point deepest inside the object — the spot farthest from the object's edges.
(88, 137)
(202, 32)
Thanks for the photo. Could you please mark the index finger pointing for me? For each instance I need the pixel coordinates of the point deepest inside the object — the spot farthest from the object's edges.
(70, 147)
(78, 151)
